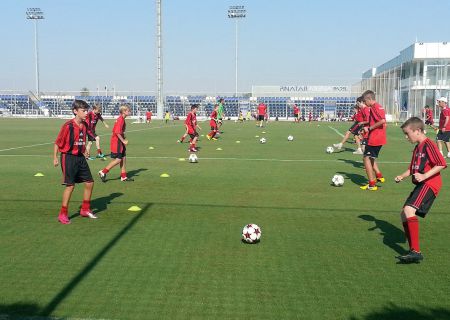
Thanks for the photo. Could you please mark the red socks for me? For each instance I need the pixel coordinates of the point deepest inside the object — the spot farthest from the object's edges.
(86, 206)
(105, 171)
(372, 183)
(379, 175)
(99, 151)
(63, 211)
(413, 232)
(123, 175)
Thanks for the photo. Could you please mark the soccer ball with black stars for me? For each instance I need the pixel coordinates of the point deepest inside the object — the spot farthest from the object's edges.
(251, 233)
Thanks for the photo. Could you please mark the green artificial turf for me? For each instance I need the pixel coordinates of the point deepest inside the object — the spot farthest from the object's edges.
(325, 252)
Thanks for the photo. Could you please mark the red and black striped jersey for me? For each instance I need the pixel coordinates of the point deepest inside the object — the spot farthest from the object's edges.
(72, 138)
(425, 156)
(92, 118)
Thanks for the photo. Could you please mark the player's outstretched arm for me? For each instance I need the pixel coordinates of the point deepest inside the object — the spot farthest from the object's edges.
(405, 174)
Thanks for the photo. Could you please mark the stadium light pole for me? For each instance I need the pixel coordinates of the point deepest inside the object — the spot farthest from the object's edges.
(159, 73)
(36, 14)
(236, 13)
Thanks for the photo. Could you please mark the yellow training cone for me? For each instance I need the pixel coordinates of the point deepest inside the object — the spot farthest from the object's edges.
(39, 174)
(181, 159)
(256, 136)
(164, 175)
(238, 141)
(134, 208)
(151, 148)
(263, 132)
(219, 149)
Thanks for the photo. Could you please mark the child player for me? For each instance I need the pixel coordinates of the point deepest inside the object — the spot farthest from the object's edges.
(191, 126)
(92, 119)
(425, 167)
(375, 140)
(213, 124)
(354, 129)
(148, 116)
(118, 146)
(71, 143)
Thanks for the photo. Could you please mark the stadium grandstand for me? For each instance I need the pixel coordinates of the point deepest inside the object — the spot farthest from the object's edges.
(279, 107)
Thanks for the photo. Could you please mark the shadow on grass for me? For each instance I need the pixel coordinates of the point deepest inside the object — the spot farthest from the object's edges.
(130, 174)
(72, 284)
(354, 177)
(15, 310)
(356, 164)
(393, 312)
(99, 205)
(392, 236)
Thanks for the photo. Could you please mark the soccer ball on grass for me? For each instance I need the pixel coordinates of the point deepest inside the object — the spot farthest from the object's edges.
(290, 138)
(330, 149)
(263, 140)
(338, 180)
(193, 158)
(251, 233)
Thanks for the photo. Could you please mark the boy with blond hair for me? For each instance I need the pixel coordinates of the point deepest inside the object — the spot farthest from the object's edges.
(118, 146)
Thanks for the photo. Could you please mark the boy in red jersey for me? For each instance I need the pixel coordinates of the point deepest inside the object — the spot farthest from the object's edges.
(148, 116)
(375, 140)
(428, 115)
(425, 167)
(71, 143)
(92, 119)
(213, 124)
(118, 146)
(191, 127)
(443, 135)
(354, 129)
(296, 113)
(262, 111)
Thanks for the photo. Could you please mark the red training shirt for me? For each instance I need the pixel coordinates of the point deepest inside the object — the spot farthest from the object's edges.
(445, 112)
(191, 121)
(119, 129)
(377, 136)
(262, 109)
(92, 119)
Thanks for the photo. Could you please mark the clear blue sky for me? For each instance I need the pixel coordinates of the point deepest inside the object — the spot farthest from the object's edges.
(90, 43)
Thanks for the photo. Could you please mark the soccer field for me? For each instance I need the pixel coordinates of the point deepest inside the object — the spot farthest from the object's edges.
(325, 252)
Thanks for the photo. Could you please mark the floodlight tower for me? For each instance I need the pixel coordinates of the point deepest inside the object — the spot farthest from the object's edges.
(159, 73)
(236, 13)
(36, 14)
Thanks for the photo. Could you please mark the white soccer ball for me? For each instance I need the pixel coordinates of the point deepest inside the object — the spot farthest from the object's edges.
(330, 149)
(251, 233)
(263, 140)
(290, 138)
(337, 180)
(193, 158)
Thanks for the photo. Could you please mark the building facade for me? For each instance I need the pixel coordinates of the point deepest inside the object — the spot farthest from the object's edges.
(418, 76)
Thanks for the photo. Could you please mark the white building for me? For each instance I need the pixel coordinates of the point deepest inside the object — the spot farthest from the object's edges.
(418, 76)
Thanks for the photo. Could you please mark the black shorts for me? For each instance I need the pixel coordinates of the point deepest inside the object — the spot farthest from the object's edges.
(296, 115)
(355, 128)
(364, 142)
(193, 135)
(119, 155)
(429, 122)
(260, 117)
(92, 138)
(372, 151)
(213, 128)
(421, 199)
(443, 136)
(75, 169)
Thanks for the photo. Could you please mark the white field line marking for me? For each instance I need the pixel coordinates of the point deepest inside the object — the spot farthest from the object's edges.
(7, 317)
(101, 135)
(335, 130)
(231, 159)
